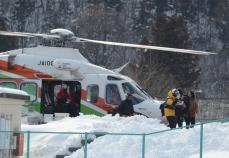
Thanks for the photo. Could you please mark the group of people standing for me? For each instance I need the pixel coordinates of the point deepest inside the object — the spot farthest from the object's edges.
(180, 107)
(177, 108)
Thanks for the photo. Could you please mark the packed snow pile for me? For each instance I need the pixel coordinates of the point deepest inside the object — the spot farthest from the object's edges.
(12, 91)
(181, 143)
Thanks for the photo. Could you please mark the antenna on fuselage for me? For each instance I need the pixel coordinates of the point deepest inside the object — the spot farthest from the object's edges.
(22, 44)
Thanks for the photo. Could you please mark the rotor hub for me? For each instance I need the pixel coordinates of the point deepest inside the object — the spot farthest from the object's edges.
(62, 32)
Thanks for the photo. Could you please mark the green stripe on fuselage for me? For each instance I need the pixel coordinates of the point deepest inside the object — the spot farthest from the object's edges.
(4, 76)
(87, 111)
(84, 109)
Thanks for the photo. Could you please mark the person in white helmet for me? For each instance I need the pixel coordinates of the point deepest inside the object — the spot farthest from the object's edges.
(179, 111)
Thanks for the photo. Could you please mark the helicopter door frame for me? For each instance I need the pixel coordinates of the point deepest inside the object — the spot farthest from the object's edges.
(60, 96)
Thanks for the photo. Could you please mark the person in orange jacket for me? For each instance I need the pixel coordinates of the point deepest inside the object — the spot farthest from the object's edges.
(170, 106)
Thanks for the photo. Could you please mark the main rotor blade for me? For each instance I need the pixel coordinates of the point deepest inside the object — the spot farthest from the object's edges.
(25, 34)
(186, 51)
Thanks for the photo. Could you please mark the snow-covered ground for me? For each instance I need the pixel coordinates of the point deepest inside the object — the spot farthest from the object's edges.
(180, 143)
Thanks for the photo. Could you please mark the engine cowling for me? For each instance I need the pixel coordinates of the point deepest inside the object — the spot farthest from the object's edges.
(66, 64)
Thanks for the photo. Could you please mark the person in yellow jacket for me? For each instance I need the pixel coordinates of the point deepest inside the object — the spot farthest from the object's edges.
(170, 106)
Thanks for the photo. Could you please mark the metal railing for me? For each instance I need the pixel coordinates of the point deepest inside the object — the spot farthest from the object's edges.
(86, 134)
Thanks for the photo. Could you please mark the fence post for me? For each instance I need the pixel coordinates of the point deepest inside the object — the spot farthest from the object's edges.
(28, 144)
(85, 146)
(201, 140)
(143, 145)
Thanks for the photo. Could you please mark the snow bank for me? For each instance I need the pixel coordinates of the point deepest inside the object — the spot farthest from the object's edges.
(12, 91)
(181, 143)
(213, 154)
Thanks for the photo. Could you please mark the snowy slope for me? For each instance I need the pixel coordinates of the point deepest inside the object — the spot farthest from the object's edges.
(173, 144)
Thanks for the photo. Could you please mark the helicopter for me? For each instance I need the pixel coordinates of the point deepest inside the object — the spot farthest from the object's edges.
(43, 70)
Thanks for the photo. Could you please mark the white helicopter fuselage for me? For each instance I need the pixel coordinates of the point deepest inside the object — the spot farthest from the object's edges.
(37, 63)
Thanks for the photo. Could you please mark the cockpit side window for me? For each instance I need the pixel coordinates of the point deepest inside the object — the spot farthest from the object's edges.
(112, 94)
(93, 93)
(138, 96)
(143, 91)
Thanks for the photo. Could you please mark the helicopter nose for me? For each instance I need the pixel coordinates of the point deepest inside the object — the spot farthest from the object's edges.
(149, 108)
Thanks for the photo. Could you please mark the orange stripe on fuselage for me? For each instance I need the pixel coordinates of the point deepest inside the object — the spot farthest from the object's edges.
(22, 71)
(100, 103)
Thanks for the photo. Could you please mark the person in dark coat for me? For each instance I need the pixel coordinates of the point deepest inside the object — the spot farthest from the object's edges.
(191, 110)
(126, 107)
(61, 99)
(179, 111)
(73, 107)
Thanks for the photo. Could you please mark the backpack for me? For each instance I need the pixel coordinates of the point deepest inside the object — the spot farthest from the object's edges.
(162, 106)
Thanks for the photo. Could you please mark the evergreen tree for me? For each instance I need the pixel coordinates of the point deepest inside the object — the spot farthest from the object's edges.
(7, 43)
(21, 10)
(172, 32)
(144, 15)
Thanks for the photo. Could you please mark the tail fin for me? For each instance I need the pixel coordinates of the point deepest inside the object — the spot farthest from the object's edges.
(118, 70)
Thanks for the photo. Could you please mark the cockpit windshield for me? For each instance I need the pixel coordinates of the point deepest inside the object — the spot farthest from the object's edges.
(138, 95)
(143, 91)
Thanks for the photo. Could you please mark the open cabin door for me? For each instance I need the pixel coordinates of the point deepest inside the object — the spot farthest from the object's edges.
(59, 96)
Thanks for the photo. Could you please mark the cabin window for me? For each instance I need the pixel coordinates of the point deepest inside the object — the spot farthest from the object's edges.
(9, 85)
(30, 88)
(112, 94)
(93, 93)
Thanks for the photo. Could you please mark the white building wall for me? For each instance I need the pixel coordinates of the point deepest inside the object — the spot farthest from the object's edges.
(10, 120)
